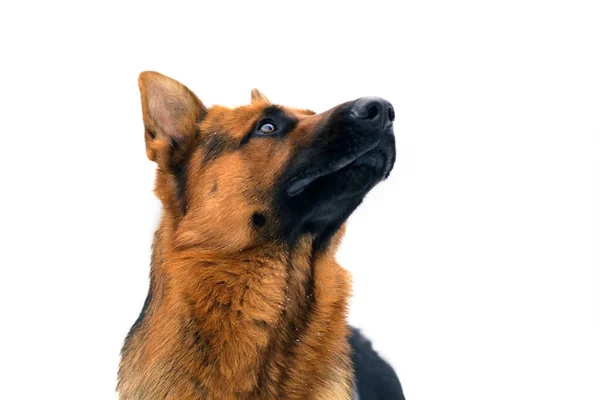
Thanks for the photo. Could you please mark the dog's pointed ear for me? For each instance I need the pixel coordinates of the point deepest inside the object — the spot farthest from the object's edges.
(258, 97)
(171, 113)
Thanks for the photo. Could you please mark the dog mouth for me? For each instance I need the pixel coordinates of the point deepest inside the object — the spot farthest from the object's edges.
(301, 181)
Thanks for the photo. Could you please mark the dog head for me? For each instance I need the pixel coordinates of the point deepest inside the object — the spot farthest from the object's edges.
(234, 178)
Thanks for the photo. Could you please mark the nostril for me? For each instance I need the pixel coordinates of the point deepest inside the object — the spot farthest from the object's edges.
(372, 111)
(391, 113)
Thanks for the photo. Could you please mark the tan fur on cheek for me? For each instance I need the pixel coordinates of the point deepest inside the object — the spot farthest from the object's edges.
(220, 210)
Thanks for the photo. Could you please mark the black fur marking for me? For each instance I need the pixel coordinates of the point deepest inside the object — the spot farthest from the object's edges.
(142, 315)
(151, 133)
(215, 145)
(180, 173)
(259, 220)
(178, 168)
(346, 159)
(374, 377)
(213, 190)
(197, 338)
(198, 389)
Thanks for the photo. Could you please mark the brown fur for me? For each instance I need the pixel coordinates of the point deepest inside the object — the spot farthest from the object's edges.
(233, 312)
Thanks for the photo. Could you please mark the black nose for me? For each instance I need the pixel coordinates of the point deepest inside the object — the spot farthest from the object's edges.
(373, 110)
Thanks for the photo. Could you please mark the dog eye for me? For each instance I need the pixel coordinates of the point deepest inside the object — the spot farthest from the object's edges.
(267, 127)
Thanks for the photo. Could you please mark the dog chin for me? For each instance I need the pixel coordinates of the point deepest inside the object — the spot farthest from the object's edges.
(369, 168)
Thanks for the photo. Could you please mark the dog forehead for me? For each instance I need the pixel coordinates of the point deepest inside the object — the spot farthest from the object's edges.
(239, 120)
(233, 121)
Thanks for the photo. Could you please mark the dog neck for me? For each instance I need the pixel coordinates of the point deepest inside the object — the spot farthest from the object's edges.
(264, 323)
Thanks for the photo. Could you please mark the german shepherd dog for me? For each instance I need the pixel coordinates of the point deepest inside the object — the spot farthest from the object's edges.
(246, 300)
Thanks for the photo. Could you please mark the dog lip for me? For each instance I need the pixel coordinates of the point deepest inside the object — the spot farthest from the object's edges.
(301, 181)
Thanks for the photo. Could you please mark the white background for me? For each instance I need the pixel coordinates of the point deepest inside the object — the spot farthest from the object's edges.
(475, 265)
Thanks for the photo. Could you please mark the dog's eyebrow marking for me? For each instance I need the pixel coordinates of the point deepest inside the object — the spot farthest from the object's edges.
(214, 145)
(213, 190)
(272, 109)
(278, 113)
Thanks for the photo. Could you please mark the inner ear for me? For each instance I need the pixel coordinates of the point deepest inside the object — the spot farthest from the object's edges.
(258, 97)
(170, 110)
